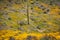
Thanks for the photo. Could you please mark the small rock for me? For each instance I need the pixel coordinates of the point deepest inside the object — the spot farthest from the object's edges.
(45, 12)
(38, 27)
(11, 38)
(9, 18)
(31, 38)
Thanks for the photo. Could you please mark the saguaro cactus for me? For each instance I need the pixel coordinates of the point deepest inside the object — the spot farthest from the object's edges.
(28, 11)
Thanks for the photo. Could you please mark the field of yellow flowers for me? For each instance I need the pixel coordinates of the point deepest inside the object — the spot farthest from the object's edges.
(43, 15)
(17, 35)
